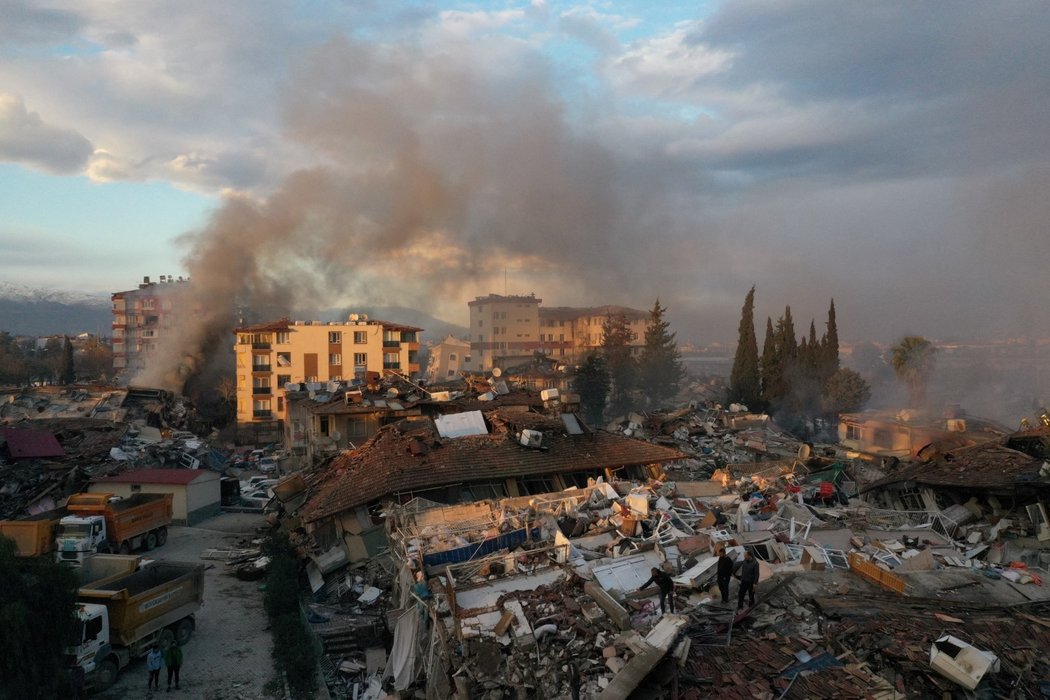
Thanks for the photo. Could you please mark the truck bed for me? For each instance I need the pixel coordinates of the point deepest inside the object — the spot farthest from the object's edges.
(143, 601)
(34, 534)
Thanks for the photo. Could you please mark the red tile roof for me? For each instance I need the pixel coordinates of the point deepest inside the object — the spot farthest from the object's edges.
(180, 477)
(410, 455)
(27, 443)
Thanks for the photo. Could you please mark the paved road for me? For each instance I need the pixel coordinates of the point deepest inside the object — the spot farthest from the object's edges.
(228, 657)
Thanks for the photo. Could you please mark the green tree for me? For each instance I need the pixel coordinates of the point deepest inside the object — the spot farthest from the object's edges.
(913, 359)
(592, 383)
(96, 361)
(846, 392)
(829, 346)
(779, 363)
(660, 366)
(745, 381)
(66, 373)
(38, 621)
(617, 337)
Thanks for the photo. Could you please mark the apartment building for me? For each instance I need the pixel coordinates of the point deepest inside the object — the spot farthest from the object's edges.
(142, 317)
(504, 330)
(448, 358)
(507, 330)
(272, 355)
(573, 332)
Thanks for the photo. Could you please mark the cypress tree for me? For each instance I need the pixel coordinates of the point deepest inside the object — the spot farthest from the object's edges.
(66, 373)
(744, 381)
(830, 354)
(592, 384)
(770, 363)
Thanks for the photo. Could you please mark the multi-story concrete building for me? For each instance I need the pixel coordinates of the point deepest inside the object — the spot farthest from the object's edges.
(504, 330)
(448, 358)
(142, 318)
(507, 330)
(572, 332)
(273, 355)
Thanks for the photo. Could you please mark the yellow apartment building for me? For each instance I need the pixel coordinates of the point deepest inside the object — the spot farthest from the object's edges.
(275, 354)
(508, 330)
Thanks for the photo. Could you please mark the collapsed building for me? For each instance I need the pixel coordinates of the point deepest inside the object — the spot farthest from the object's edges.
(54, 440)
(454, 556)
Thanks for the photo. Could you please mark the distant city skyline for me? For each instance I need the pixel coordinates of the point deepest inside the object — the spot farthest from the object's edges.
(892, 156)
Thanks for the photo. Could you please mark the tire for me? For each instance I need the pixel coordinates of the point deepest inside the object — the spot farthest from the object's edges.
(167, 638)
(162, 536)
(104, 547)
(106, 674)
(124, 548)
(151, 541)
(183, 631)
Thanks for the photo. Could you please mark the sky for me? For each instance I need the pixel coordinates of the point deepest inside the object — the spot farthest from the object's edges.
(893, 156)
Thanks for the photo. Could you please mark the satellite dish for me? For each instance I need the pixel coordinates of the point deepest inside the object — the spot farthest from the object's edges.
(497, 372)
(803, 452)
(392, 392)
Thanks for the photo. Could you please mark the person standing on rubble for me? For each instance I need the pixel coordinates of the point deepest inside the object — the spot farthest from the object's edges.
(748, 575)
(725, 572)
(663, 581)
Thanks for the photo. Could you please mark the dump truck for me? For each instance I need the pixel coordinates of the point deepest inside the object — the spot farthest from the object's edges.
(34, 535)
(123, 615)
(102, 522)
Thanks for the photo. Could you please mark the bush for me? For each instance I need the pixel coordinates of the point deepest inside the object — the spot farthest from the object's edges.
(294, 650)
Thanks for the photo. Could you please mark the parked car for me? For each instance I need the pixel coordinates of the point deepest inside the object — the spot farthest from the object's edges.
(254, 483)
(258, 498)
(267, 465)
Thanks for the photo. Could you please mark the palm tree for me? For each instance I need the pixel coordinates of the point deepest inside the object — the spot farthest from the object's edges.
(913, 360)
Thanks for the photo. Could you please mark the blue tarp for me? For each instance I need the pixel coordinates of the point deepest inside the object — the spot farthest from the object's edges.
(474, 550)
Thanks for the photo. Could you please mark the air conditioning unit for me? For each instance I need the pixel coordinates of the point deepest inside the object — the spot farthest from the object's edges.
(549, 394)
(293, 386)
(353, 317)
(531, 438)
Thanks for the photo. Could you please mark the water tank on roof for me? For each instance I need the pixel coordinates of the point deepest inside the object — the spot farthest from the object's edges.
(531, 438)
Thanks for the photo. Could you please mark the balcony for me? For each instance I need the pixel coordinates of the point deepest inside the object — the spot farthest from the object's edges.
(261, 368)
(261, 391)
(261, 346)
(391, 343)
(391, 365)
(262, 414)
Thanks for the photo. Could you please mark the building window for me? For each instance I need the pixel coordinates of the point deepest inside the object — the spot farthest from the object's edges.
(466, 359)
(360, 359)
(284, 337)
(135, 488)
(852, 432)
(360, 337)
(452, 357)
(335, 337)
(335, 359)
(280, 403)
(450, 373)
(323, 425)
(284, 359)
(391, 360)
(283, 379)
(480, 323)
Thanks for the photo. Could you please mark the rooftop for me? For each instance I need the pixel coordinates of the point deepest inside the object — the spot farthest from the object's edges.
(410, 456)
(179, 477)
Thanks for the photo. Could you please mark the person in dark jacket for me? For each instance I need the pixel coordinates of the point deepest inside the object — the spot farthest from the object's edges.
(173, 660)
(663, 581)
(748, 575)
(725, 572)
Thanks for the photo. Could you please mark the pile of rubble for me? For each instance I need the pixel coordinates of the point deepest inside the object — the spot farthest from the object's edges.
(513, 597)
(54, 440)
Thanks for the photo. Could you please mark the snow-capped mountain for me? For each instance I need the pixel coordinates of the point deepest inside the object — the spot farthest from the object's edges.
(38, 311)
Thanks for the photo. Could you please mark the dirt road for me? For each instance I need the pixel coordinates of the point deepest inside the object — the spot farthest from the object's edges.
(228, 657)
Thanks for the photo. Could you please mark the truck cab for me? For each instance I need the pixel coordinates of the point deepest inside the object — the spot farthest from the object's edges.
(80, 536)
(94, 650)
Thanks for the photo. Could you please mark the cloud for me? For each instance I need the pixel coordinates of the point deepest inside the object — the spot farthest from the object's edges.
(24, 22)
(25, 138)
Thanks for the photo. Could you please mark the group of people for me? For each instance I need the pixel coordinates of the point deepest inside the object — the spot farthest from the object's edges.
(745, 571)
(170, 657)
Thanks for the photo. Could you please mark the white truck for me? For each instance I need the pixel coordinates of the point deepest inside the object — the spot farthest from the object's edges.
(102, 522)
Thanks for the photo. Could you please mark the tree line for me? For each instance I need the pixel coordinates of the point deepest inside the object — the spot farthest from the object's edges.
(613, 379)
(795, 380)
(23, 362)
